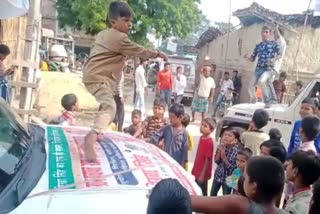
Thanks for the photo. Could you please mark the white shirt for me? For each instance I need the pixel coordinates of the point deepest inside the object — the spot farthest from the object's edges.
(179, 86)
(225, 85)
(206, 84)
(283, 47)
(140, 79)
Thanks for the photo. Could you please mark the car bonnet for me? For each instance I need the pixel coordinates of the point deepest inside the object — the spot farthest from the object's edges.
(125, 166)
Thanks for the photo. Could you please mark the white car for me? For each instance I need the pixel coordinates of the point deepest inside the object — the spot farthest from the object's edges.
(281, 116)
(43, 170)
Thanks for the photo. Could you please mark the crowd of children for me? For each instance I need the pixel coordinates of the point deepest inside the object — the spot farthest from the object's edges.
(255, 165)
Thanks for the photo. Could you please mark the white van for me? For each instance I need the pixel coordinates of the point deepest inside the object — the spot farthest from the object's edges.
(281, 116)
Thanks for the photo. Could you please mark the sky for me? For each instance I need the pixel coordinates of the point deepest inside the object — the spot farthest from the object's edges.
(218, 10)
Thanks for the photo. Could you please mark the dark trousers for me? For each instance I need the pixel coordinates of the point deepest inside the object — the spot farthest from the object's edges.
(216, 187)
(178, 99)
(134, 94)
(203, 186)
(119, 118)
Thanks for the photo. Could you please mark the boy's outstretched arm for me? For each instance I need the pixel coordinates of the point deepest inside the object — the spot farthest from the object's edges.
(221, 204)
(129, 48)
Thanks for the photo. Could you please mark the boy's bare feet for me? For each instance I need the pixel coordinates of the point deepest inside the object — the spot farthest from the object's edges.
(89, 144)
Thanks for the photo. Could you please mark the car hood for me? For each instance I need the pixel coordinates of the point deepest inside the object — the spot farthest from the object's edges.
(111, 201)
(126, 168)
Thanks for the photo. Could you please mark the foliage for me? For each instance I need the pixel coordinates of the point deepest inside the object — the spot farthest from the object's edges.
(166, 18)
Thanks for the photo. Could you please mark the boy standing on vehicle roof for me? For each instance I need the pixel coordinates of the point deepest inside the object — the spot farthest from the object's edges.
(102, 70)
(268, 52)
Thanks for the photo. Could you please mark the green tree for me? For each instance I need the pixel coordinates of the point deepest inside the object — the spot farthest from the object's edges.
(166, 18)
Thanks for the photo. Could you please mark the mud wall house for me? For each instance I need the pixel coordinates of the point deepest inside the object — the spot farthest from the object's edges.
(226, 52)
(83, 42)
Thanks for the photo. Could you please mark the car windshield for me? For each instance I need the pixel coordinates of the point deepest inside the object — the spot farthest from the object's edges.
(14, 142)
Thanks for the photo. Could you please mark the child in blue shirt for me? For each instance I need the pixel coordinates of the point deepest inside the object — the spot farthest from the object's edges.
(308, 108)
(174, 136)
(242, 159)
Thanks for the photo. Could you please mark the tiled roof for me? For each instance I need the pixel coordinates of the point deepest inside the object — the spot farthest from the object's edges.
(258, 14)
(208, 36)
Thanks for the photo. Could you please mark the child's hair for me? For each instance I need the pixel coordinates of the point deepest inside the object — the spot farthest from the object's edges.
(279, 152)
(299, 83)
(169, 197)
(311, 101)
(308, 166)
(268, 174)
(68, 101)
(271, 143)
(260, 118)
(283, 74)
(234, 131)
(226, 73)
(177, 109)
(310, 127)
(211, 122)
(247, 153)
(275, 134)
(136, 112)
(185, 120)
(240, 186)
(118, 9)
(264, 28)
(4, 49)
(315, 205)
(277, 149)
(142, 60)
(159, 102)
(167, 64)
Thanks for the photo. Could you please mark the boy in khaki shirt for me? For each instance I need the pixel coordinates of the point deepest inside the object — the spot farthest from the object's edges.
(255, 136)
(102, 71)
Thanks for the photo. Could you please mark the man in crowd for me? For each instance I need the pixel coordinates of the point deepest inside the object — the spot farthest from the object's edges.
(268, 52)
(280, 86)
(180, 83)
(278, 36)
(237, 84)
(119, 100)
(141, 86)
(164, 84)
(203, 94)
(226, 88)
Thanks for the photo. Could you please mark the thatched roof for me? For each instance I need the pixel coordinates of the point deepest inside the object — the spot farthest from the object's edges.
(258, 14)
(208, 36)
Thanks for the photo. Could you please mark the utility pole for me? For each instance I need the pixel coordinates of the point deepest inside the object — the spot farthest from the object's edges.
(31, 50)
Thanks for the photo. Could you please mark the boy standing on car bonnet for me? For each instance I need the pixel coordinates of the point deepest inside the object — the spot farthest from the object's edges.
(102, 70)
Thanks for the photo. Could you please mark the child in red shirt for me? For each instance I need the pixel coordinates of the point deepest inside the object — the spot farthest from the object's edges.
(202, 167)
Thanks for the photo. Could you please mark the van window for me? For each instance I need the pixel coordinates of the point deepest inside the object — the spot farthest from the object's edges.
(14, 142)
